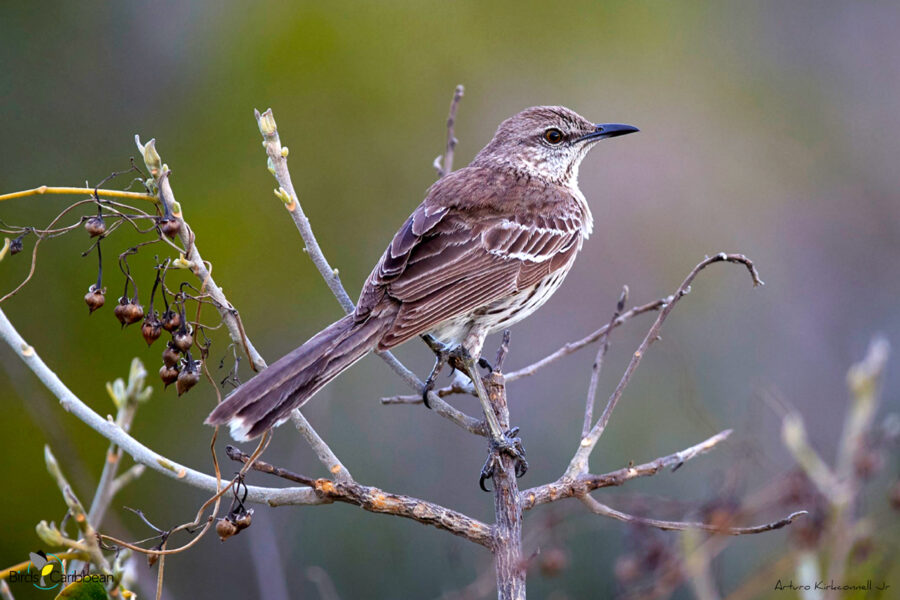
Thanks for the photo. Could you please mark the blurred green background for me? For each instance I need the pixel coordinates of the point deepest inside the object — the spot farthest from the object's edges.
(766, 128)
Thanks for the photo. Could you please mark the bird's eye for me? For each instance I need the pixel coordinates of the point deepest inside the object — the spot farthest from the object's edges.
(553, 135)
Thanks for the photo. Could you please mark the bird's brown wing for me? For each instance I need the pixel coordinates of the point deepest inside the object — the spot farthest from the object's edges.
(450, 261)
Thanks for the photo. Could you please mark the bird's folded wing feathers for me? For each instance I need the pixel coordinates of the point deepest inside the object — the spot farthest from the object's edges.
(463, 261)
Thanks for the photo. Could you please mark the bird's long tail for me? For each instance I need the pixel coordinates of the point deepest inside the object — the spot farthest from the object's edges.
(267, 400)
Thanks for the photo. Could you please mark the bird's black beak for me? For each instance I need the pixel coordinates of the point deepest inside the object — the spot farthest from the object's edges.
(607, 130)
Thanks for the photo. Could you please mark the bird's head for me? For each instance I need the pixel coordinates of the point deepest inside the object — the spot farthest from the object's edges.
(546, 142)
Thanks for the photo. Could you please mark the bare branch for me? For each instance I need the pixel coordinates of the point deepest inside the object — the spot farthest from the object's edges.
(454, 388)
(376, 500)
(509, 564)
(581, 484)
(278, 165)
(579, 462)
(115, 434)
(237, 455)
(598, 508)
(326, 456)
(598, 365)
(76, 510)
(447, 166)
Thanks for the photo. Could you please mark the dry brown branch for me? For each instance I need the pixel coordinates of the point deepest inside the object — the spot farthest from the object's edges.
(598, 508)
(376, 500)
(581, 484)
(509, 563)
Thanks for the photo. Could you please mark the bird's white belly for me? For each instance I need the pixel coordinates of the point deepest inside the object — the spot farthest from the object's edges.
(470, 329)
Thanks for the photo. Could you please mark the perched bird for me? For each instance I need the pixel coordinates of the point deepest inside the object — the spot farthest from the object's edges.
(488, 246)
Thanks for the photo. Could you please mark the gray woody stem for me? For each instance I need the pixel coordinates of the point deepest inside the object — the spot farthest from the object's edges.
(507, 545)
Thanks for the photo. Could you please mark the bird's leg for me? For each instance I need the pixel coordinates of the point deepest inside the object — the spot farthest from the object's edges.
(440, 359)
(501, 441)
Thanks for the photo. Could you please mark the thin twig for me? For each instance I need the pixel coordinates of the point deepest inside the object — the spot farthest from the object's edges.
(598, 508)
(580, 484)
(579, 344)
(107, 488)
(78, 191)
(323, 452)
(447, 166)
(579, 462)
(598, 365)
(534, 367)
(237, 455)
(76, 510)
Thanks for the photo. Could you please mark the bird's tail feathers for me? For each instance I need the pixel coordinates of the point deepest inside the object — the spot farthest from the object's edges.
(267, 400)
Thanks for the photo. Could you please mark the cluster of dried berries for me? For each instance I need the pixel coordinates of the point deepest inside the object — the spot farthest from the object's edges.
(239, 517)
(179, 366)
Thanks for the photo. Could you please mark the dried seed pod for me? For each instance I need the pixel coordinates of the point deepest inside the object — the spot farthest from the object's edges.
(151, 328)
(244, 520)
(95, 226)
(171, 320)
(170, 355)
(225, 529)
(183, 339)
(95, 298)
(188, 378)
(134, 312)
(119, 310)
(168, 374)
(170, 226)
(128, 312)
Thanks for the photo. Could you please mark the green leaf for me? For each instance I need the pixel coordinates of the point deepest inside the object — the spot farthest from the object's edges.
(84, 590)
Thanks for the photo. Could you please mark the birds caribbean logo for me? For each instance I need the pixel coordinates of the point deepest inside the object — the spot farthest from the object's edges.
(44, 564)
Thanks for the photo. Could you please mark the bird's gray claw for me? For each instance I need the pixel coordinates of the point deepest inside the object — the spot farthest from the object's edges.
(511, 445)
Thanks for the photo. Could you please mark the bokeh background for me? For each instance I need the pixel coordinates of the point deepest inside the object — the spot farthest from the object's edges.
(766, 128)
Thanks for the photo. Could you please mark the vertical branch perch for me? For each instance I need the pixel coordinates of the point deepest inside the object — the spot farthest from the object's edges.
(507, 546)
